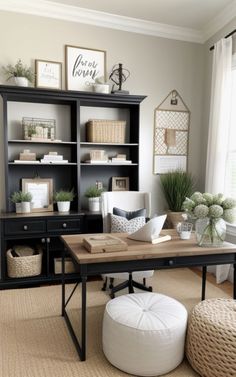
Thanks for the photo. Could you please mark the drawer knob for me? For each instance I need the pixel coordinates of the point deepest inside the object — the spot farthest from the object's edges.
(25, 227)
(171, 262)
(43, 240)
(64, 225)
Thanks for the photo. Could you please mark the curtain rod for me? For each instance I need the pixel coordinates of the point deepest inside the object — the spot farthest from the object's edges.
(227, 36)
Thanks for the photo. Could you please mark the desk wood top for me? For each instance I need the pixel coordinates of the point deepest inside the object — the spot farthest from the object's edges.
(143, 250)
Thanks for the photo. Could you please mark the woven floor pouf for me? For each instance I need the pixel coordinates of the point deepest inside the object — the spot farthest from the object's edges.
(144, 333)
(211, 338)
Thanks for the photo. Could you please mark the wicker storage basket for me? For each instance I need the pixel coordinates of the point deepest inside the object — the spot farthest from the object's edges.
(18, 267)
(105, 131)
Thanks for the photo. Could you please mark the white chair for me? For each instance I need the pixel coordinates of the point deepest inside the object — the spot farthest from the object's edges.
(128, 201)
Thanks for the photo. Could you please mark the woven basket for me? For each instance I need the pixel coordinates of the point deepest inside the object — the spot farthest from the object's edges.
(105, 131)
(18, 267)
(211, 338)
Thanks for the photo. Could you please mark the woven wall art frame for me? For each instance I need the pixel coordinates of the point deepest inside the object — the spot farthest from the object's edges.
(171, 134)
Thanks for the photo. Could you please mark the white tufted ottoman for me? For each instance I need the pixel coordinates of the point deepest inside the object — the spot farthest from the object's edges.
(144, 333)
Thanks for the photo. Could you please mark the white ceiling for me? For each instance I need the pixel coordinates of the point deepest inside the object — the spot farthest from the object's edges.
(187, 20)
(195, 14)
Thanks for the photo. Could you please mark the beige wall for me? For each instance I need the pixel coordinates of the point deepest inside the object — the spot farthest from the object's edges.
(157, 66)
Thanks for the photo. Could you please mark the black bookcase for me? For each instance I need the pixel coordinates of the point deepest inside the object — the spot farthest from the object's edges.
(72, 110)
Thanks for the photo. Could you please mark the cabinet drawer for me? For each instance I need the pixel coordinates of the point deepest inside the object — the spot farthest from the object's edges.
(65, 225)
(24, 227)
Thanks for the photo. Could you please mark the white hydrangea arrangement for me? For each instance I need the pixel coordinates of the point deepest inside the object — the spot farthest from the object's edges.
(202, 205)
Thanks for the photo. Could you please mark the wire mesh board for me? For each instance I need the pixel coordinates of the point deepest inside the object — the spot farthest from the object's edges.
(171, 133)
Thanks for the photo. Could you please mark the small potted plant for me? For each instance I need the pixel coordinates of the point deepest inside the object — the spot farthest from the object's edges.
(176, 186)
(100, 86)
(20, 73)
(63, 199)
(22, 201)
(93, 194)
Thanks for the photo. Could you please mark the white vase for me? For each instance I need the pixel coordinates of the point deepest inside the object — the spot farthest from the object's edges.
(25, 207)
(63, 206)
(210, 232)
(101, 88)
(21, 81)
(18, 208)
(94, 204)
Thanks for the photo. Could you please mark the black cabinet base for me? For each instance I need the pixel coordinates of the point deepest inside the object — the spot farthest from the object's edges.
(43, 230)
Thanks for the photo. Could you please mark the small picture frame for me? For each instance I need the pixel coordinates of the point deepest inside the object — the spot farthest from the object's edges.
(120, 184)
(48, 74)
(83, 66)
(41, 190)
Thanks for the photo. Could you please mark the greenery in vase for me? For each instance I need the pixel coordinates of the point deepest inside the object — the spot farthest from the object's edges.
(19, 197)
(19, 70)
(176, 186)
(64, 196)
(93, 192)
(212, 208)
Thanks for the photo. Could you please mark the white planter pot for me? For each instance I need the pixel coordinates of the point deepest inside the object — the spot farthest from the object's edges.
(21, 81)
(25, 207)
(94, 204)
(101, 88)
(63, 206)
(18, 208)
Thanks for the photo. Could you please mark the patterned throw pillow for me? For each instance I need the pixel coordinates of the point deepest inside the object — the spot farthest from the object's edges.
(120, 224)
(129, 214)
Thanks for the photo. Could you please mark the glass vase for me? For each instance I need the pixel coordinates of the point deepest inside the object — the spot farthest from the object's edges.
(210, 232)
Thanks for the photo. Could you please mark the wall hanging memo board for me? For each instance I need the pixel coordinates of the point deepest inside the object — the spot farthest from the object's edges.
(171, 134)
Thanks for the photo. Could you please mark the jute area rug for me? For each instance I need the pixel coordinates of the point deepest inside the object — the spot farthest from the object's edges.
(34, 340)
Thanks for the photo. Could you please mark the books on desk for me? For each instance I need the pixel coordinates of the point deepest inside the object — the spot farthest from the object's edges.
(100, 243)
(161, 239)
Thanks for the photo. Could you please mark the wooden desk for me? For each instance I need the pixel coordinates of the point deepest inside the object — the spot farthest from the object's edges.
(140, 256)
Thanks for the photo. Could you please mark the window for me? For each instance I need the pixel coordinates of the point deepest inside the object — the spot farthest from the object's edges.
(230, 182)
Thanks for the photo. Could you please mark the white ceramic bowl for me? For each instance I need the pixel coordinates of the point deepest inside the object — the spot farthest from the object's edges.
(101, 88)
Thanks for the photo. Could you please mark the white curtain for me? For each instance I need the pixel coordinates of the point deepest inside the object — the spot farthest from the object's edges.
(219, 126)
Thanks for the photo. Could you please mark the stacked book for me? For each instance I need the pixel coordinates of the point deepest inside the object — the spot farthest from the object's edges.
(116, 160)
(120, 159)
(98, 156)
(99, 243)
(27, 157)
(53, 158)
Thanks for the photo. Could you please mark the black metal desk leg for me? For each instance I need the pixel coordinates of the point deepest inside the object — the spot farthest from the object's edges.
(204, 272)
(234, 287)
(83, 319)
(63, 302)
